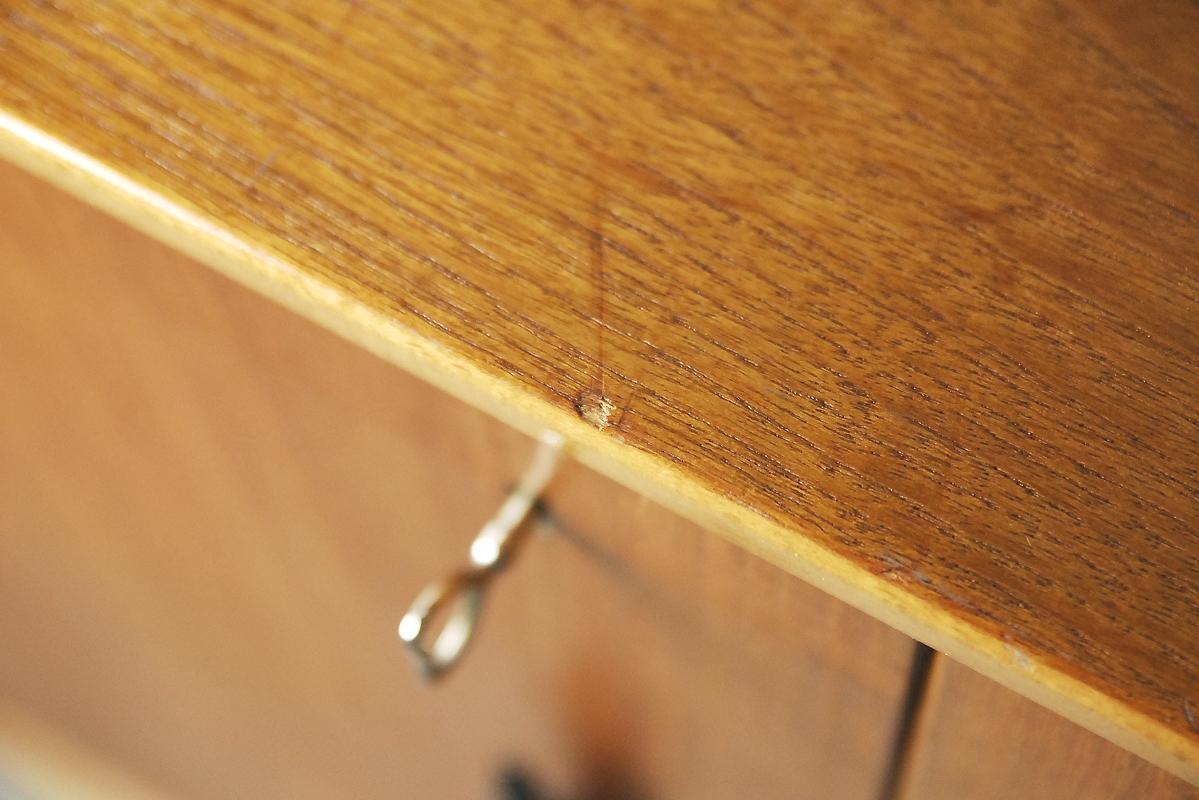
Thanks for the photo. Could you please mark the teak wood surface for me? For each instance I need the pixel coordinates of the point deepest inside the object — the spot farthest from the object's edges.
(901, 296)
(213, 513)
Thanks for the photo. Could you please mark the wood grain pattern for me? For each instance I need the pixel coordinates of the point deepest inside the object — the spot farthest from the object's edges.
(900, 296)
(980, 741)
(212, 514)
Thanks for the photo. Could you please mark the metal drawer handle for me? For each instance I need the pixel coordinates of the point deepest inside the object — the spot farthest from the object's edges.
(460, 596)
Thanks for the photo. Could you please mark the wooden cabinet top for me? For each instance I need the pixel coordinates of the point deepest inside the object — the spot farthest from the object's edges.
(903, 297)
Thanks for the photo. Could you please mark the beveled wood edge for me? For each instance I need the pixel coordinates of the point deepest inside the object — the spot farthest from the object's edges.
(175, 224)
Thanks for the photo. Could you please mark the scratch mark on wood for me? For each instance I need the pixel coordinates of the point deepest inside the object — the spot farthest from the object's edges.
(597, 265)
(262, 168)
(593, 404)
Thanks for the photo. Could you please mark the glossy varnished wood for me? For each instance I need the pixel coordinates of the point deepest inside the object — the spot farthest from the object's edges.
(901, 296)
(981, 741)
(213, 513)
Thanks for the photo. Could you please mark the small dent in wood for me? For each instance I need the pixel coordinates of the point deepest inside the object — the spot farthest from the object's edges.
(594, 407)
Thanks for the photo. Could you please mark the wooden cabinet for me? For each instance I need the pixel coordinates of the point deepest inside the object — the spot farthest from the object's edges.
(863, 324)
(215, 512)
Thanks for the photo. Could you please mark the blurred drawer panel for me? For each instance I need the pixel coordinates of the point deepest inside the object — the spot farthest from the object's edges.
(982, 741)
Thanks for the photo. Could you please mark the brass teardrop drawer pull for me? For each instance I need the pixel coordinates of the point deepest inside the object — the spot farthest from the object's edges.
(459, 597)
